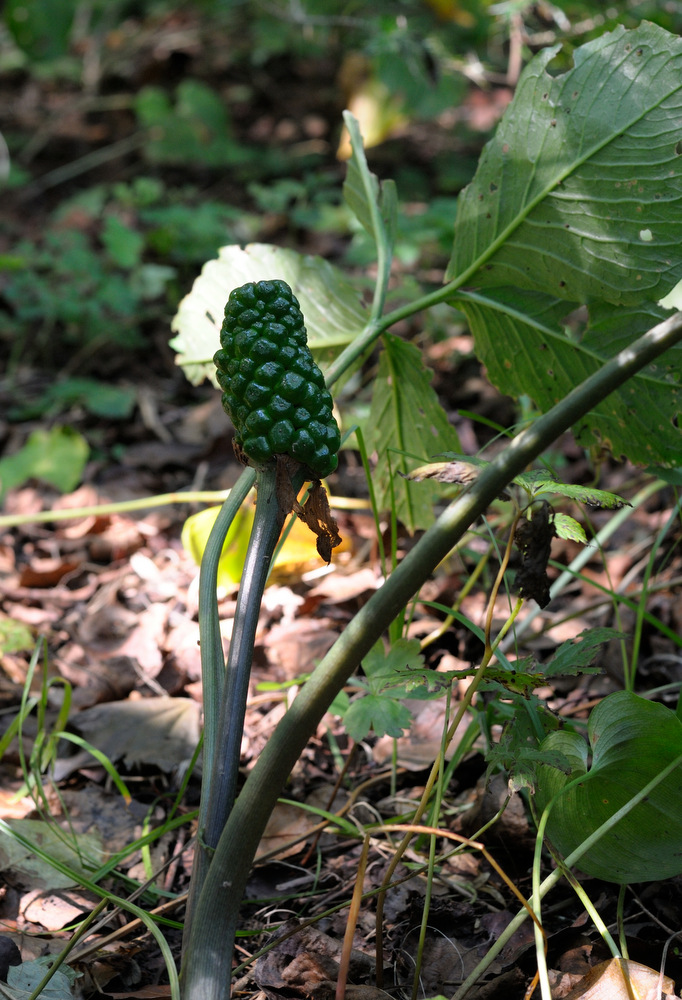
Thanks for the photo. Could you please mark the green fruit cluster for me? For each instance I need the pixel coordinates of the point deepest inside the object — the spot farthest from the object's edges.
(273, 391)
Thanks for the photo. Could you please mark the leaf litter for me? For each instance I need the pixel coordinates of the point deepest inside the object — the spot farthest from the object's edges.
(115, 598)
(116, 627)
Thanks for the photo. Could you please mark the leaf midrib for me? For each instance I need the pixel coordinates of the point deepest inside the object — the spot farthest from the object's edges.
(482, 300)
(500, 240)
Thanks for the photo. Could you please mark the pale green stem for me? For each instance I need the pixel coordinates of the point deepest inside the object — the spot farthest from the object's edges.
(212, 666)
(121, 507)
(267, 524)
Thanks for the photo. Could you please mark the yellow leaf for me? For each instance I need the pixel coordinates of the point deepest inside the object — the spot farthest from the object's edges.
(297, 554)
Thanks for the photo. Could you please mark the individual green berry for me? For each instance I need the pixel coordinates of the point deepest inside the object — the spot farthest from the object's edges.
(272, 389)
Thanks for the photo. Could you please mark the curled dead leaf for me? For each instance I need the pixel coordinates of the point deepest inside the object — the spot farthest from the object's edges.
(316, 513)
(457, 473)
(609, 981)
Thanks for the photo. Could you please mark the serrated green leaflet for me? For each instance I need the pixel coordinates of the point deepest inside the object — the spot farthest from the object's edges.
(331, 307)
(580, 191)
(378, 713)
(576, 655)
(406, 419)
(567, 527)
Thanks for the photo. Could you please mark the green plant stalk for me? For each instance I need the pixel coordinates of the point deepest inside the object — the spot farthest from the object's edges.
(206, 972)
(375, 327)
(591, 909)
(434, 820)
(641, 607)
(120, 507)
(620, 918)
(557, 874)
(226, 687)
(212, 659)
(212, 663)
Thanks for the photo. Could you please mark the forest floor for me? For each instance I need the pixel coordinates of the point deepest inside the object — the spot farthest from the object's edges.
(101, 610)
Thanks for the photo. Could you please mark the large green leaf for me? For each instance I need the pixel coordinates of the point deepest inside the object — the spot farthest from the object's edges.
(333, 312)
(633, 741)
(521, 341)
(406, 421)
(579, 193)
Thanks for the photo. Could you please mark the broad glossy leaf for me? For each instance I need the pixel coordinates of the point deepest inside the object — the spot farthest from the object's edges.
(632, 740)
(331, 307)
(521, 340)
(579, 193)
(406, 420)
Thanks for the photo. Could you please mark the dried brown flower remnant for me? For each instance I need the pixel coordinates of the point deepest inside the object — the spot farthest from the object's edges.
(534, 540)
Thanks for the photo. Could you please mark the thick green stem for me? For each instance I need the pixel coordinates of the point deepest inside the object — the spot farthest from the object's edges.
(212, 666)
(267, 525)
(206, 975)
(212, 659)
(214, 673)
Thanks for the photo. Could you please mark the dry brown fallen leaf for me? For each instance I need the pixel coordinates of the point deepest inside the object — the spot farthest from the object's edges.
(607, 981)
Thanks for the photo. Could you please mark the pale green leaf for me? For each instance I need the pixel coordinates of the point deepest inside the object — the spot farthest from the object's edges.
(567, 527)
(579, 193)
(57, 457)
(383, 664)
(332, 310)
(15, 636)
(374, 205)
(406, 421)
